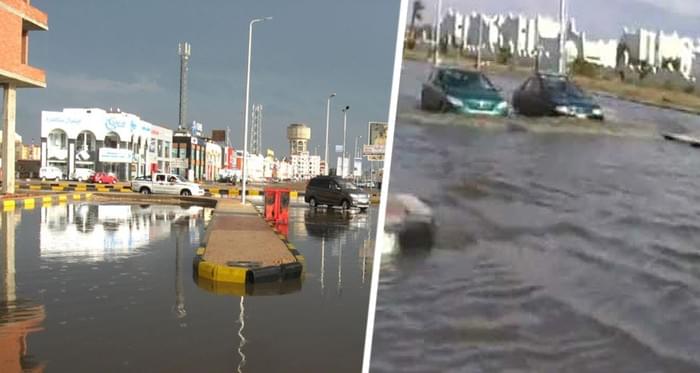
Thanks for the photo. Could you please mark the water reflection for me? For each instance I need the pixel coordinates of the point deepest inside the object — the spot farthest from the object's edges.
(336, 229)
(98, 232)
(18, 318)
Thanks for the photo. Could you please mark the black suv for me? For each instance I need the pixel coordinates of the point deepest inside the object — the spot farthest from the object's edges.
(334, 191)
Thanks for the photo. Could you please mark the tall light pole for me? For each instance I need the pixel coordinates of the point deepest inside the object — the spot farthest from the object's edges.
(328, 122)
(247, 99)
(562, 37)
(345, 127)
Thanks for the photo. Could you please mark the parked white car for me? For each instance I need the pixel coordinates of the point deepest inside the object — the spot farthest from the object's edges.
(165, 184)
(50, 173)
(82, 174)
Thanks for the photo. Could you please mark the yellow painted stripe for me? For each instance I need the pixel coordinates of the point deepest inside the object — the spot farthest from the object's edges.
(77, 196)
(233, 192)
(293, 194)
(80, 189)
(214, 190)
(124, 190)
(8, 204)
(254, 192)
(88, 195)
(57, 188)
(62, 198)
(35, 187)
(28, 203)
(46, 199)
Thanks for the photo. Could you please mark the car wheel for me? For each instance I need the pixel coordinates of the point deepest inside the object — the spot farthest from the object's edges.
(312, 202)
(423, 104)
(345, 204)
(185, 192)
(145, 190)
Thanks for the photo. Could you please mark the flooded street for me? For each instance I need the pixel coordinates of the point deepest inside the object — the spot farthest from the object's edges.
(554, 252)
(100, 287)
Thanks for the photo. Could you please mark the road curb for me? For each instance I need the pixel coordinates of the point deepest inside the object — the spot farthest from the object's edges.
(25, 202)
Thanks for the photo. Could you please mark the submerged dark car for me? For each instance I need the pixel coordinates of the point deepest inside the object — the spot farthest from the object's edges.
(548, 94)
(469, 92)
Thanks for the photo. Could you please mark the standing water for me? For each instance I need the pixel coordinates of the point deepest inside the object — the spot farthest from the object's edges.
(105, 287)
(554, 252)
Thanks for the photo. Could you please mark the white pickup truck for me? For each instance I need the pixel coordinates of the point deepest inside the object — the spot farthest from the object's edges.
(165, 184)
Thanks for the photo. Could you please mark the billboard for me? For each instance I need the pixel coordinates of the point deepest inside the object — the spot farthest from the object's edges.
(218, 135)
(373, 152)
(357, 170)
(377, 133)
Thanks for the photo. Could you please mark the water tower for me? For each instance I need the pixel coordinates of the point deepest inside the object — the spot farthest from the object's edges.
(298, 136)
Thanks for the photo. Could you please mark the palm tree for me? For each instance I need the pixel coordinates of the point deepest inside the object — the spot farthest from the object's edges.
(418, 7)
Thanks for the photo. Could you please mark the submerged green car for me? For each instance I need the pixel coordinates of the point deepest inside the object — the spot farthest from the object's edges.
(458, 90)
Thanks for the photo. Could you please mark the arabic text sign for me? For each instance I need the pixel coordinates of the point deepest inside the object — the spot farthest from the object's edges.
(115, 155)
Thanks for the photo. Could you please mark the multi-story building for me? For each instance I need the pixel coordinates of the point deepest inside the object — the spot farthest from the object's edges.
(305, 166)
(17, 19)
(108, 141)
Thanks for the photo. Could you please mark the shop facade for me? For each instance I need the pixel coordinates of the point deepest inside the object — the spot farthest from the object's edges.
(116, 142)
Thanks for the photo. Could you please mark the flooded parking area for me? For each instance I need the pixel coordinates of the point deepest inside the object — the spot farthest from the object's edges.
(109, 287)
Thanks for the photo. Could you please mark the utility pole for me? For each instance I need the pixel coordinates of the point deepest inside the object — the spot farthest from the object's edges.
(328, 121)
(345, 126)
(478, 42)
(183, 49)
(562, 37)
(436, 57)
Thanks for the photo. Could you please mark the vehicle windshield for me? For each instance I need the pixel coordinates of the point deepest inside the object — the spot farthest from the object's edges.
(466, 79)
(346, 184)
(562, 86)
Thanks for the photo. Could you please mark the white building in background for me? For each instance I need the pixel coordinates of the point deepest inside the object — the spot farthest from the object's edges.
(518, 33)
(305, 166)
(601, 52)
(344, 169)
(212, 161)
(102, 141)
(255, 167)
(285, 170)
(640, 46)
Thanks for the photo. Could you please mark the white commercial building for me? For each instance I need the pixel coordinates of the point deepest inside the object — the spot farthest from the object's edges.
(305, 166)
(103, 141)
(212, 161)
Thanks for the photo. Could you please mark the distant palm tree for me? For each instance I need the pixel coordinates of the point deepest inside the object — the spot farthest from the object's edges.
(418, 7)
(415, 15)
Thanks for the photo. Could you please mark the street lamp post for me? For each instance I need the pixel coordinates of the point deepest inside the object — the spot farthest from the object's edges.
(247, 99)
(345, 127)
(328, 122)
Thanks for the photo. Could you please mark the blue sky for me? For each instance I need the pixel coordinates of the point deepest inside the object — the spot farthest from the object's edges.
(122, 53)
(599, 18)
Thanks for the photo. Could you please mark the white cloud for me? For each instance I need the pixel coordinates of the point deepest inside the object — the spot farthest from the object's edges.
(681, 7)
(81, 83)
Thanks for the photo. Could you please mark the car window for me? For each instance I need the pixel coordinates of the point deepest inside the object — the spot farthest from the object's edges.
(346, 184)
(562, 86)
(532, 85)
(160, 177)
(466, 79)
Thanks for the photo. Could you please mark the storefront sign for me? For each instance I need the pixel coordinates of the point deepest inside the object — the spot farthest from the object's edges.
(178, 163)
(115, 155)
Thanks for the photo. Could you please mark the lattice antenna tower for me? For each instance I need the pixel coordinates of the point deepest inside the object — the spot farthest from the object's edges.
(256, 129)
(183, 50)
